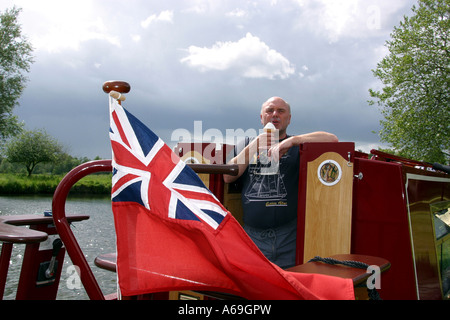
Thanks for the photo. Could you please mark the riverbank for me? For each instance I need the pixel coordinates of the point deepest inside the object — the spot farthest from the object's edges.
(18, 184)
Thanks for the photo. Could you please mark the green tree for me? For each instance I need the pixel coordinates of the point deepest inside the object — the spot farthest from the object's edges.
(415, 78)
(15, 59)
(31, 148)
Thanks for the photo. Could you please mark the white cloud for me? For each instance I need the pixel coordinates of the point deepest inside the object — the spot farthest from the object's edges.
(249, 56)
(345, 18)
(164, 16)
(238, 13)
(136, 37)
(304, 69)
(56, 25)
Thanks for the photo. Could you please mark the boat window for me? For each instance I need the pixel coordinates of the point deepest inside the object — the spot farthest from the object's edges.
(441, 221)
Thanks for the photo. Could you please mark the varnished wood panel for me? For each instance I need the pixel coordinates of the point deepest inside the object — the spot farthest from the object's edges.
(328, 211)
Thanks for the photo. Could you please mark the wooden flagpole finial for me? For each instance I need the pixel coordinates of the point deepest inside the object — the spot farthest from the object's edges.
(119, 86)
(116, 89)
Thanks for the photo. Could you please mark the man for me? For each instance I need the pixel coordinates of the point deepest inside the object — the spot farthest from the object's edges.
(270, 200)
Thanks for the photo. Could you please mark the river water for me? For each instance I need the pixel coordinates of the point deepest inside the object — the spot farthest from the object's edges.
(95, 236)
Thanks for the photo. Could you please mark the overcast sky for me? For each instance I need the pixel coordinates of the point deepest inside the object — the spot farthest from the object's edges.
(214, 61)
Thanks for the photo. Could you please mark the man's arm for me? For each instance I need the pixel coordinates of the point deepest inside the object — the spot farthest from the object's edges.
(285, 145)
(262, 141)
(242, 160)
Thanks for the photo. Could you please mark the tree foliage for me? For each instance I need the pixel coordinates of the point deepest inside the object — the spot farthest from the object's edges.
(62, 165)
(416, 84)
(31, 148)
(15, 59)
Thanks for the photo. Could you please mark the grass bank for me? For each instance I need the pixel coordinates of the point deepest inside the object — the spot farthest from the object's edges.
(18, 184)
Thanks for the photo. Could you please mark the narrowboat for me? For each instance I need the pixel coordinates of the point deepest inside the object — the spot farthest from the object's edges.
(377, 208)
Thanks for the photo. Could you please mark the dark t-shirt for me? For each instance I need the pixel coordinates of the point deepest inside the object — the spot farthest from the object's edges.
(270, 200)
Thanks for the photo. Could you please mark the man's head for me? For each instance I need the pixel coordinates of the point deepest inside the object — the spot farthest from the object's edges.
(277, 111)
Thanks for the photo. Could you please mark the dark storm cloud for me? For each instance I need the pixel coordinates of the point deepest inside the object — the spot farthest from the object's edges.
(214, 61)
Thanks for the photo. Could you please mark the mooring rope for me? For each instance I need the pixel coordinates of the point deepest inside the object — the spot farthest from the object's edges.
(373, 293)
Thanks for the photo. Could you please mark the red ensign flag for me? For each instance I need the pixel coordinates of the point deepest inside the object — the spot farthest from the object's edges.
(173, 234)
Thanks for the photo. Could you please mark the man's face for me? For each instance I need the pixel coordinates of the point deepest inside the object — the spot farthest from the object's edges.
(276, 110)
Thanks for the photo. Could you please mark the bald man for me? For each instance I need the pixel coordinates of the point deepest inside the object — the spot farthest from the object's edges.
(269, 200)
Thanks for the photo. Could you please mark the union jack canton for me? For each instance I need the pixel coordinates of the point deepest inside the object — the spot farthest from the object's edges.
(145, 170)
